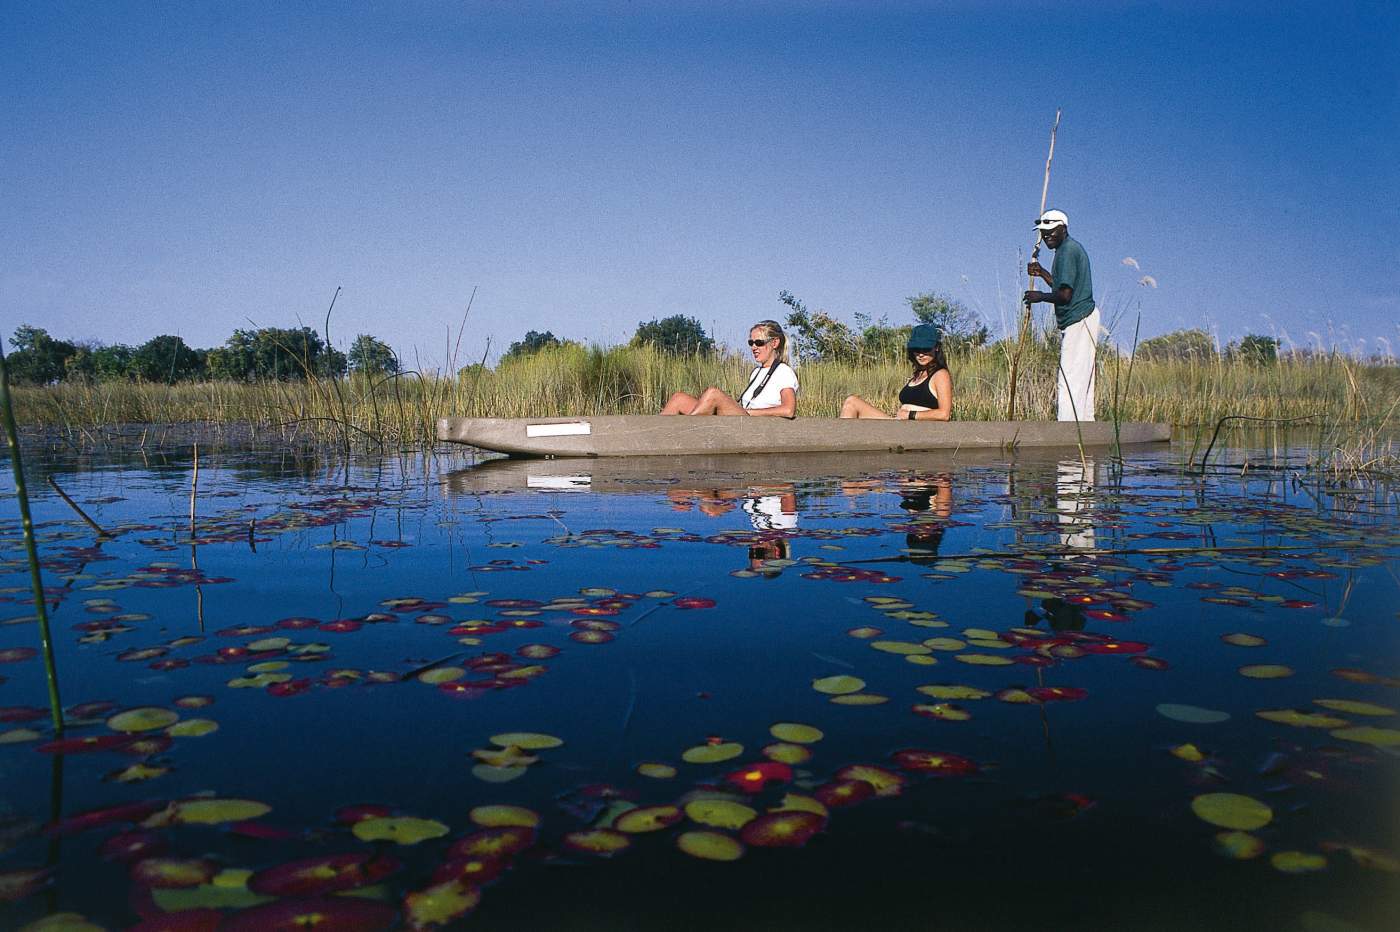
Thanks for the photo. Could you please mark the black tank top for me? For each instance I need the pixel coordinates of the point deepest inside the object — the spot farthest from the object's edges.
(921, 394)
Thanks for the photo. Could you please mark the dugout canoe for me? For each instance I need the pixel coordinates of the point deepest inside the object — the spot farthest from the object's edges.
(655, 435)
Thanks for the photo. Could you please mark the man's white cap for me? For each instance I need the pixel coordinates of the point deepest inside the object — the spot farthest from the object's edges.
(1051, 219)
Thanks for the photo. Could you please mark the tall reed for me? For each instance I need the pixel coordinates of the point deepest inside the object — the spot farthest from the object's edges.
(572, 380)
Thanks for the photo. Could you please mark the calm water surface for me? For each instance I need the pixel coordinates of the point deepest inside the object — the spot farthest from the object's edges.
(924, 693)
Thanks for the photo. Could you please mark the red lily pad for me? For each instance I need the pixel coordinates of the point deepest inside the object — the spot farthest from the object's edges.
(753, 778)
(349, 815)
(473, 870)
(96, 818)
(1057, 693)
(784, 829)
(327, 874)
(940, 763)
(602, 842)
(503, 842)
(86, 745)
(440, 904)
(132, 846)
(1114, 647)
(186, 920)
(843, 793)
(341, 913)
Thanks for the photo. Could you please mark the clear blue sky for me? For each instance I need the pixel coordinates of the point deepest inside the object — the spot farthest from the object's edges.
(190, 168)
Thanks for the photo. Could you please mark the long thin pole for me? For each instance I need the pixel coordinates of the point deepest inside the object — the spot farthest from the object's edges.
(41, 609)
(1025, 328)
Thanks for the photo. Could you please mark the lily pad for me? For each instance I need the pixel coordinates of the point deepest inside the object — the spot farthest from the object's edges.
(712, 753)
(146, 718)
(720, 813)
(795, 733)
(1365, 734)
(1232, 810)
(401, 830)
(1195, 715)
(839, 685)
(526, 740)
(497, 816)
(710, 846)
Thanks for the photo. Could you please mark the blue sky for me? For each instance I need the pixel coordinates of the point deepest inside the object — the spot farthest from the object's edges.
(190, 168)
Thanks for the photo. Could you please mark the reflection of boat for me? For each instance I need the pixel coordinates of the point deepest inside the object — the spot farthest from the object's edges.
(755, 473)
(654, 435)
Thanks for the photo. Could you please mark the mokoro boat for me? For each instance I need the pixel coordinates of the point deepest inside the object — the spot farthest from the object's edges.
(655, 435)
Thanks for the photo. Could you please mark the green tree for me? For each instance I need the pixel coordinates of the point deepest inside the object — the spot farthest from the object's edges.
(961, 328)
(817, 334)
(1256, 349)
(878, 340)
(275, 353)
(371, 356)
(677, 335)
(166, 359)
(38, 358)
(532, 343)
(1179, 344)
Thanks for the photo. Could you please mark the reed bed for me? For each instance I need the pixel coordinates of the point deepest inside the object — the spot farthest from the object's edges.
(401, 410)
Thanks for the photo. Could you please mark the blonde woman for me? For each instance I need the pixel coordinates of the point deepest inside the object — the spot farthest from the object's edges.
(772, 387)
(928, 395)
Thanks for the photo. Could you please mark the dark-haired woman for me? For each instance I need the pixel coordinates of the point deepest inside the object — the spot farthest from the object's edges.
(772, 388)
(928, 395)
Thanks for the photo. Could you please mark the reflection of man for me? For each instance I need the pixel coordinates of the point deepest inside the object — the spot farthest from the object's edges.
(772, 512)
(1072, 295)
(1074, 485)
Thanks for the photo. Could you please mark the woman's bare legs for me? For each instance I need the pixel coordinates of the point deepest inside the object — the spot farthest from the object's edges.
(714, 401)
(856, 406)
(680, 403)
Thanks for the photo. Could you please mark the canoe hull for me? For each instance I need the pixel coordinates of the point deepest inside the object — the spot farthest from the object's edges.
(654, 435)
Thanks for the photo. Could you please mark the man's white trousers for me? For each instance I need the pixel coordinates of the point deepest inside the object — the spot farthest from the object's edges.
(1079, 346)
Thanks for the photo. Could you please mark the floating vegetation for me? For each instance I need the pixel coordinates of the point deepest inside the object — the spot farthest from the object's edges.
(358, 702)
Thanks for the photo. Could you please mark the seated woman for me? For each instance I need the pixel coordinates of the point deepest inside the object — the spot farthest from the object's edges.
(928, 395)
(772, 388)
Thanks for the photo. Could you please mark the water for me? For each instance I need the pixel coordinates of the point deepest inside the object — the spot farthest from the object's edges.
(1072, 658)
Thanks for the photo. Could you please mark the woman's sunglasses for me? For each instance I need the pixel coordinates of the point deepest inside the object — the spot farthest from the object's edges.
(760, 342)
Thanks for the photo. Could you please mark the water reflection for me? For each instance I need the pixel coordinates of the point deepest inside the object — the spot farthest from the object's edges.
(1074, 497)
(601, 646)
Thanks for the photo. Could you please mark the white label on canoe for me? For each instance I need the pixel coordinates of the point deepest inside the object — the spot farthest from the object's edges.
(559, 483)
(558, 430)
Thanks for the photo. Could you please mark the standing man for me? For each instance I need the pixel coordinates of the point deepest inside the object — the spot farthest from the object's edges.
(1075, 315)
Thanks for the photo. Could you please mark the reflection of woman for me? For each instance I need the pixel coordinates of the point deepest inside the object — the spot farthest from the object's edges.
(928, 395)
(772, 388)
(925, 537)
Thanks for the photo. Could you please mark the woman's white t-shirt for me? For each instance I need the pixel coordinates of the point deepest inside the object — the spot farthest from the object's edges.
(772, 394)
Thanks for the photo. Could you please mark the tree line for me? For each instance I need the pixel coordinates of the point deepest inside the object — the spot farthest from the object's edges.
(263, 354)
(814, 335)
(296, 354)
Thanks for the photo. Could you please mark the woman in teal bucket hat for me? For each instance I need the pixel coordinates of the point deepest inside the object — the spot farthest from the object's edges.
(928, 395)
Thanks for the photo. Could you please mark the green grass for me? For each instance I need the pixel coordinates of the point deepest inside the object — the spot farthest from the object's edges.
(401, 411)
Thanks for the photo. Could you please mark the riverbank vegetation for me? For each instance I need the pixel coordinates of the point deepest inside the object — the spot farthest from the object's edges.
(400, 408)
(291, 382)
